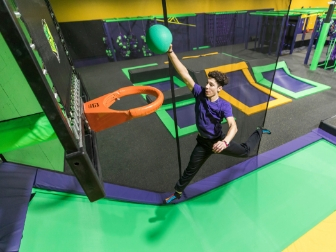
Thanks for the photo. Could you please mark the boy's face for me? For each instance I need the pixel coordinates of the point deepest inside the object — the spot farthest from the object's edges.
(212, 88)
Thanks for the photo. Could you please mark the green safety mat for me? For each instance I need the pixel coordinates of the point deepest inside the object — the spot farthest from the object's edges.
(265, 210)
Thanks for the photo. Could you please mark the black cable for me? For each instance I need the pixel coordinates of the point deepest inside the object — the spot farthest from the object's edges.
(275, 68)
(164, 7)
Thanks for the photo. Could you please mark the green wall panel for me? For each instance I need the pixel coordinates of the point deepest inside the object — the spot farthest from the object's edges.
(18, 100)
(16, 97)
(48, 155)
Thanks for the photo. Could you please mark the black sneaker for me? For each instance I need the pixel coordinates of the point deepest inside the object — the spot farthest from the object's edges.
(264, 131)
(172, 197)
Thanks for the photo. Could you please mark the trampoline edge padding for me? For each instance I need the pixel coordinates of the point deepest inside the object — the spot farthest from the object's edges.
(249, 78)
(60, 182)
(16, 183)
(329, 125)
(55, 181)
(326, 135)
(249, 165)
(66, 183)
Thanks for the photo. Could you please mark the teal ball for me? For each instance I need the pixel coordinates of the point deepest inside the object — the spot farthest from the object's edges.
(159, 38)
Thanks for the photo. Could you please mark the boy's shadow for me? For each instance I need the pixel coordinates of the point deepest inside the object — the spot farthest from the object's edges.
(165, 217)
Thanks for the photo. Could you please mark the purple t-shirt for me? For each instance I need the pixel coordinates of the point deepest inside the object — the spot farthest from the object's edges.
(209, 115)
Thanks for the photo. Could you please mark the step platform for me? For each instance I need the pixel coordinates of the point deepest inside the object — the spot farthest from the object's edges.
(329, 125)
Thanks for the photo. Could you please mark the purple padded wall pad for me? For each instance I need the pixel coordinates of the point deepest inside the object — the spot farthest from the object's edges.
(16, 183)
(65, 183)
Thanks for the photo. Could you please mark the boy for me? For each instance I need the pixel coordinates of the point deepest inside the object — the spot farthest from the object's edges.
(210, 110)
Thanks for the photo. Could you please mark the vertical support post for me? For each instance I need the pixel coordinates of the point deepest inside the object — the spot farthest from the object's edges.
(246, 29)
(172, 88)
(312, 39)
(255, 41)
(196, 22)
(323, 36)
(271, 42)
(296, 32)
(283, 30)
(264, 31)
(261, 36)
(305, 29)
(234, 27)
(215, 30)
(329, 52)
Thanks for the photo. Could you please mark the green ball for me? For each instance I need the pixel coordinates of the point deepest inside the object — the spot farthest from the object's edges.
(159, 38)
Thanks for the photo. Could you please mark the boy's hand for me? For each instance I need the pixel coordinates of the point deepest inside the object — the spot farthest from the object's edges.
(219, 147)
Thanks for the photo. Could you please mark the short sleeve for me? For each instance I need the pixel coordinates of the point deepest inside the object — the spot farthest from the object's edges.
(226, 109)
(197, 90)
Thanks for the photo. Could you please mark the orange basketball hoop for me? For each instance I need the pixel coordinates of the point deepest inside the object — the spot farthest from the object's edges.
(101, 117)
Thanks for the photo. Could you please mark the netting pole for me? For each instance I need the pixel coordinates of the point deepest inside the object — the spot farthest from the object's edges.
(164, 7)
(275, 67)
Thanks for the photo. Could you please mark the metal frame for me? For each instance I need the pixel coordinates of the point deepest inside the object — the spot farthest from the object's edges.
(77, 157)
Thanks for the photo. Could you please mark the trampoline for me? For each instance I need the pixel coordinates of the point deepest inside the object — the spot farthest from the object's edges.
(286, 83)
(265, 207)
(242, 85)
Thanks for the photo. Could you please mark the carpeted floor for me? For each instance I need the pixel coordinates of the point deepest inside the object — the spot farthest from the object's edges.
(142, 154)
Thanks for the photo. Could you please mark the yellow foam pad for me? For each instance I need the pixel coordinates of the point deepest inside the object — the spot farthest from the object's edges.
(320, 238)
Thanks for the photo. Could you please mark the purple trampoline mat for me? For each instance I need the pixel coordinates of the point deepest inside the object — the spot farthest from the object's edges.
(240, 88)
(185, 115)
(163, 86)
(282, 79)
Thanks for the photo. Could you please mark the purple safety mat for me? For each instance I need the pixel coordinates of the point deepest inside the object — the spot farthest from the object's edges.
(16, 183)
(66, 183)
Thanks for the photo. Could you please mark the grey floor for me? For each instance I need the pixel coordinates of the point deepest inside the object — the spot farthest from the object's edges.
(142, 154)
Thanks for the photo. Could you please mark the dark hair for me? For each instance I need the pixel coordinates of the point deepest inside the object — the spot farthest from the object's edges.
(220, 77)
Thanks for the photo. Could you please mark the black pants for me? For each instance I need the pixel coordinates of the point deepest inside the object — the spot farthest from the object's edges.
(203, 150)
